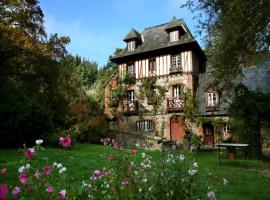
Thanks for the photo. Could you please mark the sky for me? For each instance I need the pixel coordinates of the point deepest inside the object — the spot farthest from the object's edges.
(97, 28)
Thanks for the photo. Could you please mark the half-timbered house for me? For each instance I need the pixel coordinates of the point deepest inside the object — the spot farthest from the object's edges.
(169, 53)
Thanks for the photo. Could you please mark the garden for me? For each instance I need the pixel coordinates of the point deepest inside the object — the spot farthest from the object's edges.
(110, 171)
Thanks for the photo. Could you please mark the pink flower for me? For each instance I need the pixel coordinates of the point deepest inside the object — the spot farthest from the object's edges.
(63, 194)
(24, 145)
(23, 178)
(3, 191)
(16, 191)
(49, 189)
(37, 174)
(30, 152)
(133, 152)
(3, 171)
(116, 145)
(125, 182)
(65, 142)
(111, 157)
(47, 170)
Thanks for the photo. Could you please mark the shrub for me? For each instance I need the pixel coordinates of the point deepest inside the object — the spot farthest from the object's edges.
(93, 129)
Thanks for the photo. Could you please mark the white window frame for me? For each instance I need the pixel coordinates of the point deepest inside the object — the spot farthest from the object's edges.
(130, 69)
(130, 95)
(212, 99)
(131, 45)
(176, 60)
(145, 125)
(174, 36)
(176, 91)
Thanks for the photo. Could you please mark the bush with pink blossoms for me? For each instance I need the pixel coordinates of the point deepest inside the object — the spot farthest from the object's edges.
(36, 179)
(136, 175)
(128, 174)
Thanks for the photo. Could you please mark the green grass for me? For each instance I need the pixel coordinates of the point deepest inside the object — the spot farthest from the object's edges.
(243, 183)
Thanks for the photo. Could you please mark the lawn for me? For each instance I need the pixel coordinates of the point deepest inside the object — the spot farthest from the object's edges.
(82, 159)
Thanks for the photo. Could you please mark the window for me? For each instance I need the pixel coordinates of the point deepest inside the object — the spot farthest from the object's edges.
(226, 131)
(176, 60)
(176, 91)
(212, 99)
(152, 65)
(174, 36)
(130, 95)
(130, 69)
(131, 45)
(145, 125)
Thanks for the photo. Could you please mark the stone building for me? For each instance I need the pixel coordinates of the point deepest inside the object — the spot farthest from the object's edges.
(169, 54)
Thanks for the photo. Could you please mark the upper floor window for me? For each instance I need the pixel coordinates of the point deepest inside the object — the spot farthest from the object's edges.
(131, 45)
(176, 60)
(176, 91)
(145, 125)
(212, 99)
(174, 36)
(152, 65)
(130, 69)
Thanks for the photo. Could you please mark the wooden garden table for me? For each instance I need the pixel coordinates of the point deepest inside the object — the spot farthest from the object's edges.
(233, 145)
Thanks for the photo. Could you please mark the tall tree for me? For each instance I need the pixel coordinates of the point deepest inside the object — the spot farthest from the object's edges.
(236, 32)
(32, 99)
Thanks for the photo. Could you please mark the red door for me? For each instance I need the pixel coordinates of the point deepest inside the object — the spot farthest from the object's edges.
(177, 130)
(208, 134)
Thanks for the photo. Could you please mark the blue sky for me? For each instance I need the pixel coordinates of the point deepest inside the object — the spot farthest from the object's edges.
(97, 28)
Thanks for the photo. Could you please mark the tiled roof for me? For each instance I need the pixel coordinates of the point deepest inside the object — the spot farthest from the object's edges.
(257, 77)
(156, 37)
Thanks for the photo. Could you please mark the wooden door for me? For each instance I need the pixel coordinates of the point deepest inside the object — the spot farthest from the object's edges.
(208, 134)
(177, 130)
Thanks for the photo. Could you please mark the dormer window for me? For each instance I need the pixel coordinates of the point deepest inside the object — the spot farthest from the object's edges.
(131, 45)
(212, 99)
(174, 36)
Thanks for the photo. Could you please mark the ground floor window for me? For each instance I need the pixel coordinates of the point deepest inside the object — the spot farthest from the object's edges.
(145, 125)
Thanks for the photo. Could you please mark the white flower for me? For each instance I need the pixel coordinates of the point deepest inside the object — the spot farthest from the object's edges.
(195, 164)
(211, 195)
(21, 169)
(38, 142)
(55, 164)
(84, 184)
(145, 180)
(192, 172)
(225, 181)
(63, 169)
(181, 157)
(173, 147)
(59, 165)
(140, 189)
(137, 145)
(143, 155)
(150, 189)
(27, 166)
